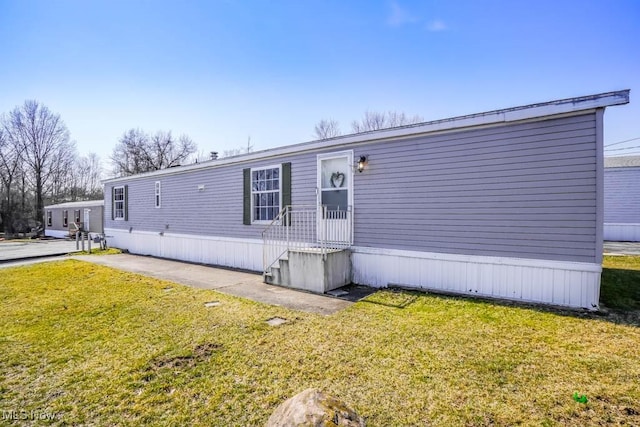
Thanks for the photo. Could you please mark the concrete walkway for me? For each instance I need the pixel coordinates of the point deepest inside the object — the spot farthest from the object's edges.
(240, 284)
(622, 248)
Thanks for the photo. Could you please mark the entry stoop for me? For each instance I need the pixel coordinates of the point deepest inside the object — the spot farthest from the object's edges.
(311, 270)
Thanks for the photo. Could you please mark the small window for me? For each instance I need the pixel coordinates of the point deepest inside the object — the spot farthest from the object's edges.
(49, 219)
(265, 193)
(65, 218)
(76, 216)
(118, 203)
(157, 194)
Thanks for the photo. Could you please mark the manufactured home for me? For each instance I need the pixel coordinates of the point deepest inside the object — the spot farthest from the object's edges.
(622, 199)
(506, 204)
(62, 220)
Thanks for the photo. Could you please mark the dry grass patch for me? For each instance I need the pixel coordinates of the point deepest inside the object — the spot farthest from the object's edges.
(105, 347)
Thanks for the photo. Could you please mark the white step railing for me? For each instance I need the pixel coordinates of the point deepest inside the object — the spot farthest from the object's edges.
(313, 228)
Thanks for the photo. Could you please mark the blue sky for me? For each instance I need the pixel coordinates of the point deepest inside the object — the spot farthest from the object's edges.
(221, 71)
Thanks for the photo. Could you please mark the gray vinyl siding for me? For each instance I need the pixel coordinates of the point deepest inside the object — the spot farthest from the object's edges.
(523, 190)
(216, 211)
(95, 218)
(56, 219)
(526, 190)
(622, 195)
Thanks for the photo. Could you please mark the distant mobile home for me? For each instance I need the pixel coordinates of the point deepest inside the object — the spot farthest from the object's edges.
(506, 204)
(622, 199)
(61, 218)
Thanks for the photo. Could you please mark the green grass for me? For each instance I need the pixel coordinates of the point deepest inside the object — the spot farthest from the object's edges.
(98, 251)
(104, 347)
(621, 282)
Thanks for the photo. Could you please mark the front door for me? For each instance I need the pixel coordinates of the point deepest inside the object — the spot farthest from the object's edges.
(335, 197)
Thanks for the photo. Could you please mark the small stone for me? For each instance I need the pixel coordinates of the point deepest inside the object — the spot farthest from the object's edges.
(167, 289)
(337, 293)
(212, 304)
(315, 409)
(276, 321)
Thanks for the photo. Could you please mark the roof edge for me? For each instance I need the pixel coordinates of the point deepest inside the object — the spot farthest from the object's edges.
(513, 114)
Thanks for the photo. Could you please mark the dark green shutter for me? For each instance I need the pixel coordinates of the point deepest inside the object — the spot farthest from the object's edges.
(246, 205)
(113, 203)
(126, 203)
(286, 187)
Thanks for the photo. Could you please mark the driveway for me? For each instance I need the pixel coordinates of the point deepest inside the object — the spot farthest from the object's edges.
(21, 249)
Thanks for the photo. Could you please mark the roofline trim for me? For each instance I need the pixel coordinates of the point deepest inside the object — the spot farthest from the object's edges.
(508, 115)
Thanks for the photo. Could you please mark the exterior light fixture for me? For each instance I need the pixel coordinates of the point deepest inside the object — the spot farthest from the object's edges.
(362, 162)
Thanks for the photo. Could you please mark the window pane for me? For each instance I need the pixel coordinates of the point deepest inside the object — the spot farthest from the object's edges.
(335, 200)
(261, 174)
(268, 173)
(276, 184)
(269, 185)
(263, 199)
(276, 199)
(272, 213)
(276, 173)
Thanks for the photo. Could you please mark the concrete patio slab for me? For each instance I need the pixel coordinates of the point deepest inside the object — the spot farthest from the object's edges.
(236, 283)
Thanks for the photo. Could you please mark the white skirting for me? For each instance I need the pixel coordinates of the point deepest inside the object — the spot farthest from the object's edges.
(571, 284)
(224, 251)
(621, 232)
(58, 234)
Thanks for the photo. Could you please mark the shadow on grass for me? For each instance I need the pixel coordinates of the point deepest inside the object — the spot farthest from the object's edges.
(620, 289)
(398, 298)
(402, 298)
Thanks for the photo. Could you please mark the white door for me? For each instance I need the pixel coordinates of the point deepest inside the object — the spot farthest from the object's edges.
(335, 197)
(87, 213)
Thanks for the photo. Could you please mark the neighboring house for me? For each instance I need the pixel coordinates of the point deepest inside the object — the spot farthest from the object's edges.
(62, 219)
(505, 204)
(622, 199)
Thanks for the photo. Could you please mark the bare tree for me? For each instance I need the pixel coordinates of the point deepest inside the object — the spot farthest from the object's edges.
(138, 152)
(240, 150)
(327, 128)
(9, 171)
(375, 121)
(41, 136)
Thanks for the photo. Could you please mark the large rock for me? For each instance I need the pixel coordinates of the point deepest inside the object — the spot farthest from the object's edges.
(312, 408)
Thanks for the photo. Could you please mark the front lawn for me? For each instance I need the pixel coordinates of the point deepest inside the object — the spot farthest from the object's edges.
(621, 282)
(97, 346)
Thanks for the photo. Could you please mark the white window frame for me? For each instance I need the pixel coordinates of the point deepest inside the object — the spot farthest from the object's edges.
(49, 219)
(77, 219)
(65, 218)
(115, 204)
(157, 198)
(279, 191)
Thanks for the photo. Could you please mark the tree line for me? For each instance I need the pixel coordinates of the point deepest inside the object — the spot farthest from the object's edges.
(40, 165)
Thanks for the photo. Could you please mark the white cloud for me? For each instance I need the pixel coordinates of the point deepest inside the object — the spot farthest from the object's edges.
(400, 16)
(436, 25)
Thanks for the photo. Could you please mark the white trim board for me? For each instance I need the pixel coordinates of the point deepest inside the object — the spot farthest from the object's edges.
(58, 234)
(224, 251)
(525, 280)
(621, 232)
